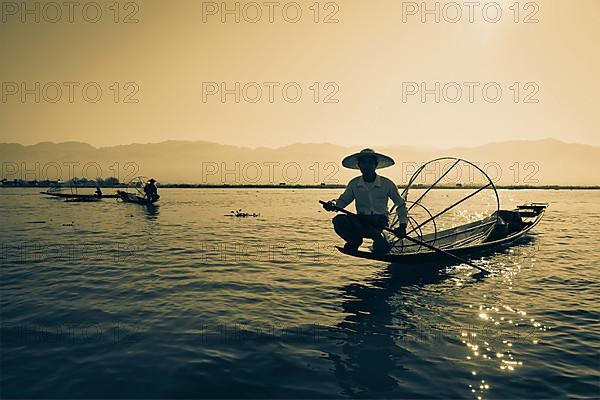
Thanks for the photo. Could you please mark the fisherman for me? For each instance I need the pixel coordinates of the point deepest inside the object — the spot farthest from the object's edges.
(98, 192)
(151, 190)
(371, 192)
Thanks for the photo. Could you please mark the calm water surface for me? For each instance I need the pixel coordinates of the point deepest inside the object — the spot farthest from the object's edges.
(120, 300)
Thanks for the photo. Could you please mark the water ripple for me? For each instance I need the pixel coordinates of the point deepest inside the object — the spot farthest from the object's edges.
(113, 300)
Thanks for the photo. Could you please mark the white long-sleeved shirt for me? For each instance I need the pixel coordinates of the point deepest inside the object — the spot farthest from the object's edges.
(372, 197)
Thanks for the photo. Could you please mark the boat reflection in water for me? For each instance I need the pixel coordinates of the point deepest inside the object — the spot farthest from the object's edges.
(151, 211)
(372, 353)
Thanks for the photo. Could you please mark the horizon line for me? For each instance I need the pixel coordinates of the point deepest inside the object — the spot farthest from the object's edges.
(301, 143)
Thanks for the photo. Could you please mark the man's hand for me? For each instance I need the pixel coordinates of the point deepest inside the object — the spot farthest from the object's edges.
(400, 231)
(329, 206)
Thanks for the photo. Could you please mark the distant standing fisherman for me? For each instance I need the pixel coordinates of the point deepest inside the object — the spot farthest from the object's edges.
(371, 192)
(151, 190)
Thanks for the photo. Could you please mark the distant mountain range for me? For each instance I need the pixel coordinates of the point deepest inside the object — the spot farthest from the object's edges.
(542, 162)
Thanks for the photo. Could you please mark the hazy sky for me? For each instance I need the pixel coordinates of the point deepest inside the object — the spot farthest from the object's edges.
(373, 63)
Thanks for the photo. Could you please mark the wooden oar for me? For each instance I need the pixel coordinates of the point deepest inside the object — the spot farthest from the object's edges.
(417, 241)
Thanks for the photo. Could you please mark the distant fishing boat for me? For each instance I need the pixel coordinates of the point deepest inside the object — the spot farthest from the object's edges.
(93, 199)
(140, 190)
(132, 198)
(79, 196)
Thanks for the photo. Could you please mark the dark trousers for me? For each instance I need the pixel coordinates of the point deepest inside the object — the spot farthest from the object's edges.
(353, 229)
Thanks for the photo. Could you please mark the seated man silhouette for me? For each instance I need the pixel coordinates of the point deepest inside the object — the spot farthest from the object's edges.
(371, 193)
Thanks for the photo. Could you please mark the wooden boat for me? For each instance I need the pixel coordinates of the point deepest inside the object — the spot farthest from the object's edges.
(464, 240)
(136, 192)
(79, 196)
(132, 198)
(434, 230)
(84, 199)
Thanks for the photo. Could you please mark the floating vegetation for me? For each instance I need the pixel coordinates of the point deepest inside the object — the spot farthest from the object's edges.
(240, 214)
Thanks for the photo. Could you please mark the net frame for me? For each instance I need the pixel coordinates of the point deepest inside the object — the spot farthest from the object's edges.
(488, 222)
(136, 186)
